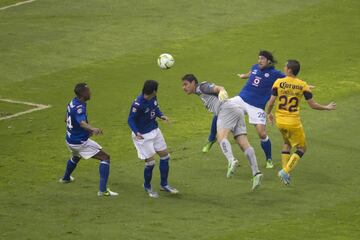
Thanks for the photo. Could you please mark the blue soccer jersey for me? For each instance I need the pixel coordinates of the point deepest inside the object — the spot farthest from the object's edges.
(257, 90)
(143, 114)
(76, 113)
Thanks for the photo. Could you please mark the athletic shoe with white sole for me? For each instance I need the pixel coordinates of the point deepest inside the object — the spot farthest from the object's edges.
(169, 189)
(61, 180)
(207, 146)
(107, 193)
(285, 177)
(256, 181)
(232, 168)
(269, 164)
(151, 192)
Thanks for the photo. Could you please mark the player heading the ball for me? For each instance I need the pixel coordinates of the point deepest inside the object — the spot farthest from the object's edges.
(230, 119)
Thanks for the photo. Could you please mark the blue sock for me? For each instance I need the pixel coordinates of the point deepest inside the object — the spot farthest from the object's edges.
(213, 130)
(148, 170)
(164, 170)
(70, 167)
(266, 146)
(104, 170)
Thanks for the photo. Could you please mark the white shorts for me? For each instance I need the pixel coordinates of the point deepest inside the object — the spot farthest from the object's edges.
(256, 115)
(153, 142)
(85, 150)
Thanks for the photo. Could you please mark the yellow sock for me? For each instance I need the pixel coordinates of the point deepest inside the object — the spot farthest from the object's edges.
(294, 159)
(285, 156)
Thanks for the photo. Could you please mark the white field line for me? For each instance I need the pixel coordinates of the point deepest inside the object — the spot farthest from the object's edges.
(17, 4)
(38, 107)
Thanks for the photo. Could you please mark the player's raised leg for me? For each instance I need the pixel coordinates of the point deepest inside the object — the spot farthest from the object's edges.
(265, 144)
(70, 167)
(104, 172)
(250, 155)
(226, 148)
(212, 136)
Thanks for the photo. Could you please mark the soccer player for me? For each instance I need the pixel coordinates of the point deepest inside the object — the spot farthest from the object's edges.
(80, 145)
(254, 97)
(289, 92)
(230, 118)
(148, 138)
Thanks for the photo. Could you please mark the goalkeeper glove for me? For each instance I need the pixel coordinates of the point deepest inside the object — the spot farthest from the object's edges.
(223, 95)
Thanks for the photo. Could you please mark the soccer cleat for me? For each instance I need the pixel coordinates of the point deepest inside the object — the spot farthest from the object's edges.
(62, 180)
(232, 168)
(151, 192)
(256, 181)
(169, 189)
(107, 193)
(285, 177)
(207, 147)
(269, 164)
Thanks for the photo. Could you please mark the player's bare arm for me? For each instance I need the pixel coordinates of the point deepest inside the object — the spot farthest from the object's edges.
(165, 118)
(92, 130)
(317, 106)
(244, 75)
(271, 104)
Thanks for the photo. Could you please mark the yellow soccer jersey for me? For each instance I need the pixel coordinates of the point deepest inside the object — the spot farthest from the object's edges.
(289, 92)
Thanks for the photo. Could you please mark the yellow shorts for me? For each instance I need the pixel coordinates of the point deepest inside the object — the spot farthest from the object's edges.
(293, 135)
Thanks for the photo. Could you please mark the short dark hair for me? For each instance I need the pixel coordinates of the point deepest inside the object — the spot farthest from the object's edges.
(190, 78)
(294, 65)
(150, 86)
(268, 55)
(80, 88)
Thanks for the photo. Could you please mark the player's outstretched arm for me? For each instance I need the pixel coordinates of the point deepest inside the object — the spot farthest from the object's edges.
(92, 130)
(244, 75)
(317, 106)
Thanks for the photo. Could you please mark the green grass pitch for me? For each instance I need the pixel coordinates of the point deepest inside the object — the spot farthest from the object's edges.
(47, 46)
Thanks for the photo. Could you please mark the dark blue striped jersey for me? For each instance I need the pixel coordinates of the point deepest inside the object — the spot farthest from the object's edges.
(257, 90)
(76, 113)
(143, 114)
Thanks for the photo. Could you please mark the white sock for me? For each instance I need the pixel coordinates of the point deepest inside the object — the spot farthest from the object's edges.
(226, 149)
(250, 154)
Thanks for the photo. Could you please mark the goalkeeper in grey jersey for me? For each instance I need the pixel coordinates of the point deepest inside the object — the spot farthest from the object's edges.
(230, 119)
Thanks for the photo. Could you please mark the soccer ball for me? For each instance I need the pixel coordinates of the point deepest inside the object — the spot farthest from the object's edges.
(165, 61)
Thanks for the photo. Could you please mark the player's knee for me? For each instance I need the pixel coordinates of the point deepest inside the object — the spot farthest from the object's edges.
(300, 152)
(75, 159)
(301, 149)
(243, 142)
(149, 162)
(263, 135)
(106, 157)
